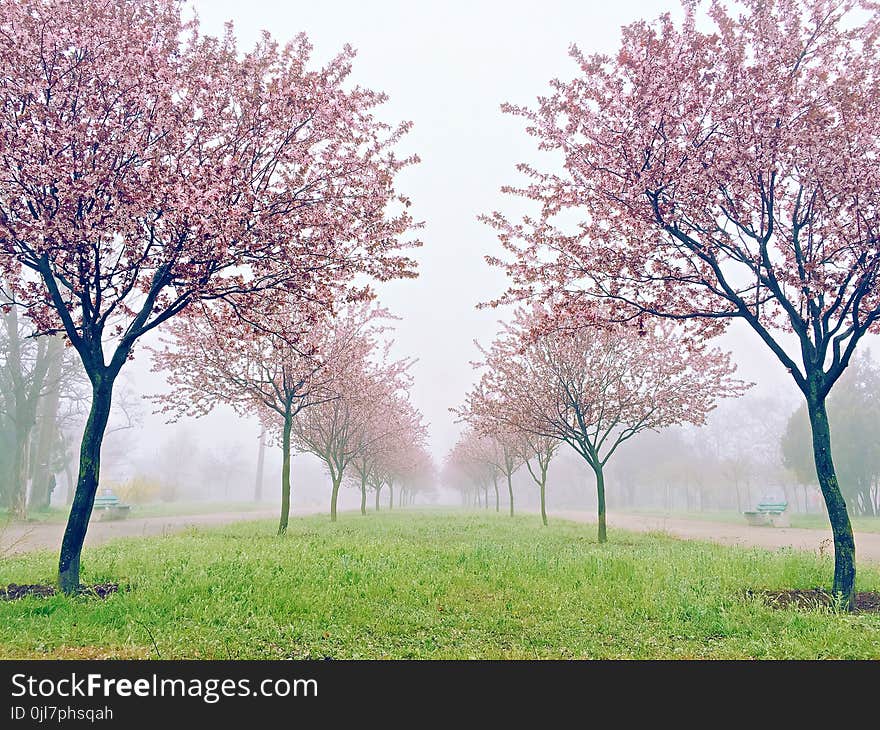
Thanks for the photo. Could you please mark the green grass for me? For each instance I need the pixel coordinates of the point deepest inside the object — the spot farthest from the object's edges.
(797, 519)
(430, 585)
(58, 515)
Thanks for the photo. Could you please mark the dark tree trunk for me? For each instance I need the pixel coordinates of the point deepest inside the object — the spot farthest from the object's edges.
(378, 492)
(285, 475)
(390, 496)
(86, 485)
(844, 543)
(600, 495)
(258, 482)
(363, 496)
(497, 495)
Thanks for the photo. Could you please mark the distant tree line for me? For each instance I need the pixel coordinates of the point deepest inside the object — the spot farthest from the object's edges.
(854, 413)
(39, 396)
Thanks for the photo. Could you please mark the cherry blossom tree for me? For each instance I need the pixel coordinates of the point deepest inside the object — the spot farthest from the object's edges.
(451, 470)
(271, 360)
(500, 447)
(418, 474)
(363, 389)
(507, 444)
(393, 443)
(146, 166)
(364, 475)
(596, 387)
(466, 467)
(506, 457)
(408, 464)
(537, 451)
(722, 168)
(488, 457)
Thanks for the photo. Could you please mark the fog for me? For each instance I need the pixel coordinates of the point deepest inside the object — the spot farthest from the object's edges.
(447, 67)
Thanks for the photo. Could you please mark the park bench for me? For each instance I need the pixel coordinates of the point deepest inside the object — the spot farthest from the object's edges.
(109, 507)
(769, 513)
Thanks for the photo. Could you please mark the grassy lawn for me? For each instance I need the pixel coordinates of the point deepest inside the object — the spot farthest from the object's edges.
(429, 585)
(58, 515)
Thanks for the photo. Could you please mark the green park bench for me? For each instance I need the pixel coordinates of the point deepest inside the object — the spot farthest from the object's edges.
(768, 513)
(109, 507)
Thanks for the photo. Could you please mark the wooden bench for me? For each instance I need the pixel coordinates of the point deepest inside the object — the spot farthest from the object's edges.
(109, 507)
(771, 514)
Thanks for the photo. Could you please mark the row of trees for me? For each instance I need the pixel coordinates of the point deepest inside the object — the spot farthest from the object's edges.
(548, 381)
(320, 382)
(749, 449)
(721, 466)
(713, 170)
(36, 400)
(43, 396)
(148, 171)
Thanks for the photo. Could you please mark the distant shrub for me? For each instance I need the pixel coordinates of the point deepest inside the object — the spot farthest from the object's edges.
(139, 490)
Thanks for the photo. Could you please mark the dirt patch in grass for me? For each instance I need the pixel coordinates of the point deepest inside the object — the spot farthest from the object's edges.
(814, 598)
(85, 652)
(14, 591)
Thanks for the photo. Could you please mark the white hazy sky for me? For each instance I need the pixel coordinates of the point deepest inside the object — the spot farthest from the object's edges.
(447, 67)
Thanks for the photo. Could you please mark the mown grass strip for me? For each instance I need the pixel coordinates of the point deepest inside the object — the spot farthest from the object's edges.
(433, 585)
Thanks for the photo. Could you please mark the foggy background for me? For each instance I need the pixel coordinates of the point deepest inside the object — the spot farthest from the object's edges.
(448, 67)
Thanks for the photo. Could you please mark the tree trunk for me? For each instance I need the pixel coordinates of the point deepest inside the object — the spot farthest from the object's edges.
(71, 484)
(543, 497)
(337, 480)
(600, 494)
(26, 389)
(497, 496)
(510, 492)
(86, 484)
(378, 492)
(363, 496)
(390, 496)
(47, 436)
(261, 454)
(18, 491)
(844, 543)
(285, 475)
(869, 500)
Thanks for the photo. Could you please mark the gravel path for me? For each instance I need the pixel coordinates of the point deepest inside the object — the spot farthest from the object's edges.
(26, 537)
(815, 541)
